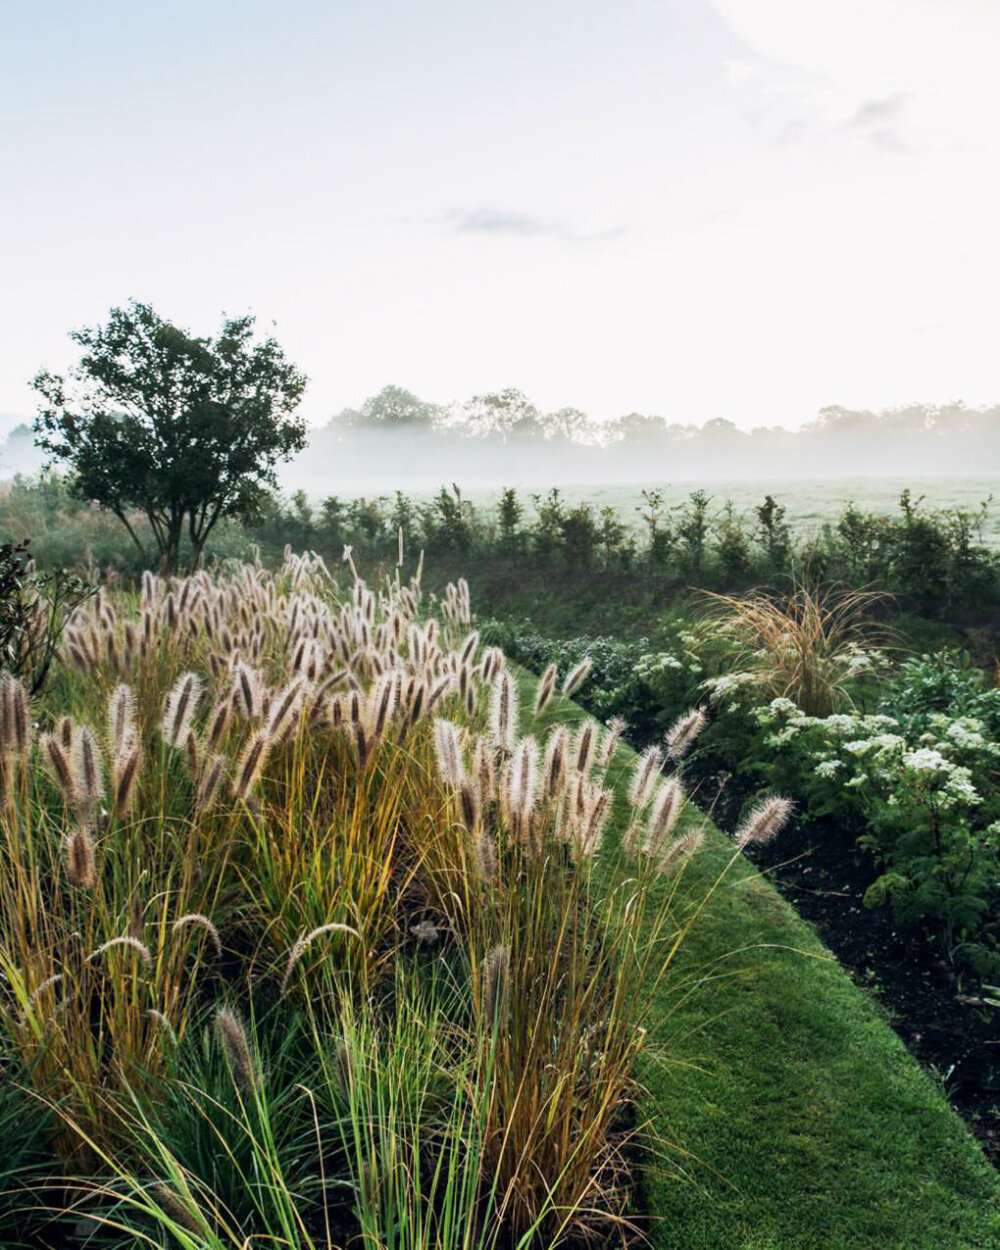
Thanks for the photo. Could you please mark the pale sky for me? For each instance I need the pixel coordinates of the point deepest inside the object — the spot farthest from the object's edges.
(697, 208)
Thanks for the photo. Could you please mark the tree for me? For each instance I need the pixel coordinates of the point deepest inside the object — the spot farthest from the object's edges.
(503, 415)
(509, 513)
(183, 430)
(393, 408)
(773, 532)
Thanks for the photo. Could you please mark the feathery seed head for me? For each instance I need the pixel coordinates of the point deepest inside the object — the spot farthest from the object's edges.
(236, 1045)
(121, 717)
(179, 709)
(765, 821)
(681, 735)
(504, 712)
(577, 676)
(81, 861)
(609, 743)
(496, 988)
(202, 922)
(546, 687)
(666, 809)
(305, 940)
(447, 749)
(554, 768)
(644, 777)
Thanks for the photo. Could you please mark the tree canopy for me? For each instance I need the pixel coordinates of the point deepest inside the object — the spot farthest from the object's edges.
(184, 430)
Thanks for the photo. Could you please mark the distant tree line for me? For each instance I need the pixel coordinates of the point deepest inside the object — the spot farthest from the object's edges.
(404, 435)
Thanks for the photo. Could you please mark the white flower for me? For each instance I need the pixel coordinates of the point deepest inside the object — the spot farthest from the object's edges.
(826, 768)
(925, 760)
(719, 688)
(878, 745)
(965, 733)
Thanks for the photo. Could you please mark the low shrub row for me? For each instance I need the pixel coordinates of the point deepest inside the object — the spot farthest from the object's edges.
(935, 557)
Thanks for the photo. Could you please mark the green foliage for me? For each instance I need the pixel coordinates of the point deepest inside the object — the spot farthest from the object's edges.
(393, 409)
(773, 533)
(183, 430)
(509, 515)
(34, 609)
(648, 687)
(448, 522)
(733, 546)
(916, 782)
(580, 536)
(692, 532)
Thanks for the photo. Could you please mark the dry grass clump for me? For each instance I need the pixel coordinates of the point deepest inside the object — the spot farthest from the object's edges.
(253, 796)
(803, 646)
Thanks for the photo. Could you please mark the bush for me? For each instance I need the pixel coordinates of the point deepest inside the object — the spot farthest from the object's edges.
(916, 784)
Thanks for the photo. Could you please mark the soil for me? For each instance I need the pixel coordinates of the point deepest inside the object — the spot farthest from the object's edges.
(935, 1006)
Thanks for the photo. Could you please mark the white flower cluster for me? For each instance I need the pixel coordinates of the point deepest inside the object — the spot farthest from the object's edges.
(728, 686)
(861, 662)
(828, 768)
(850, 750)
(655, 663)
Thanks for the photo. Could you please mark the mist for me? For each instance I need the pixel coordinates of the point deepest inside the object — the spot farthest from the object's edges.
(397, 441)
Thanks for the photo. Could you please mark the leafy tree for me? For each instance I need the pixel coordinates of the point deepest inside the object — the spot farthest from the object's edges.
(612, 534)
(404, 516)
(733, 545)
(509, 513)
(367, 517)
(580, 536)
(183, 430)
(302, 520)
(448, 521)
(333, 512)
(568, 425)
(773, 533)
(548, 530)
(660, 536)
(503, 415)
(393, 408)
(692, 530)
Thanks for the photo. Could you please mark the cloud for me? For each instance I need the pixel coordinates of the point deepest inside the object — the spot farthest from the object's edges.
(489, 219)
(901, 75)
(878, 112)
(878, 121)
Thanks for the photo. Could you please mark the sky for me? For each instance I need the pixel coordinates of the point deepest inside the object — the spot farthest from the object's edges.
(746, 209)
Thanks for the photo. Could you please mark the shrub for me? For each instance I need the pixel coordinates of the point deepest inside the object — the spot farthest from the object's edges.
(916, 786)
(34, 609)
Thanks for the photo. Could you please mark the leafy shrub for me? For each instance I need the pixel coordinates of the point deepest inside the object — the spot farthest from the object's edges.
(916, 784)
(34, 609)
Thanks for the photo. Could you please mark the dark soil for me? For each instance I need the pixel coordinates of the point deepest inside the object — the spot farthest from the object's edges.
(934, 1005)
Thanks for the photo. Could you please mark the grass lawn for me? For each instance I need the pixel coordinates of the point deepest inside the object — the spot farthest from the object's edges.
(804, 1120)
